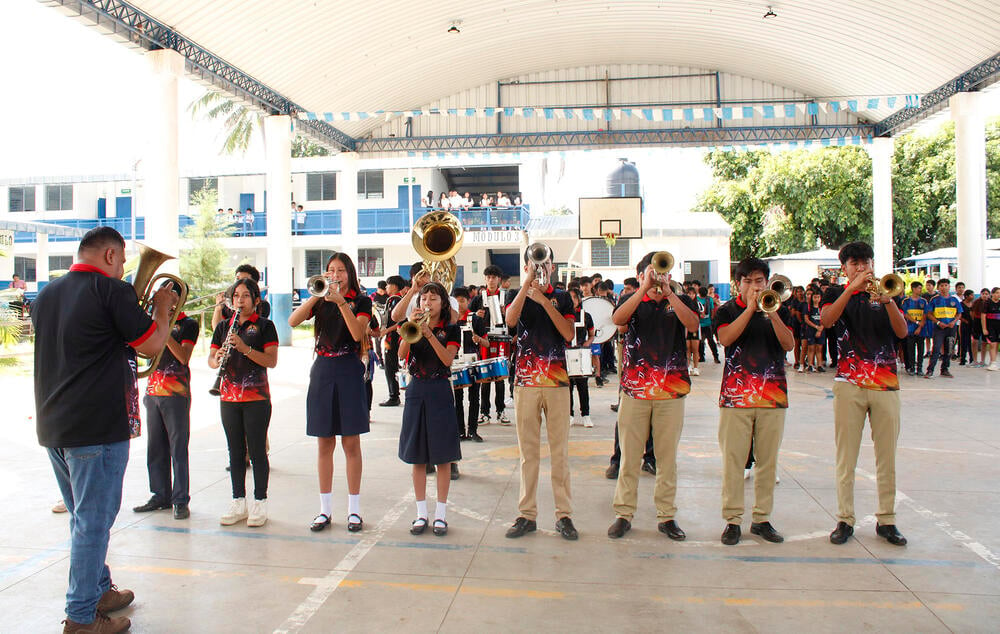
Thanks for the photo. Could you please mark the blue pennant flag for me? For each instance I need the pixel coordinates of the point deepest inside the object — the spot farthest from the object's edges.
(748, 112)
(491, 112)
(707, 114)
(873, 104)
(768, 112)
(528, 112)
(550, 113)
(891, 102)
(607, 114)
(508, 112)
(647, 114)
(852, 104)
(727, 113)
(688, 114)
(588, 114)
(812, 108)
(470, 112)
(789, 109)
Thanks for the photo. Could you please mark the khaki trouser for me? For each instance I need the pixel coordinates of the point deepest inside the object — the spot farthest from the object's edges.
(850, 406)
(529, 403)
(737, 426)
(636, 419)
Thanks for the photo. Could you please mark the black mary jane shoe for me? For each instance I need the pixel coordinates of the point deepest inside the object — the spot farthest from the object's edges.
(354, 526)
(418, 526)
(322, 521)
(440, 528)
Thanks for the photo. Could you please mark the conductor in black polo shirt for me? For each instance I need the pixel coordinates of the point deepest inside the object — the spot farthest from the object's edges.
(88, 327)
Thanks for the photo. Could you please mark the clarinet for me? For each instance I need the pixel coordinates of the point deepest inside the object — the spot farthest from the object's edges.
(226, 349)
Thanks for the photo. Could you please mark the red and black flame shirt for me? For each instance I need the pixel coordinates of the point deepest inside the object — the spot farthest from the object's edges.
(754, 374)
(423, 362)
(244, 380)
(654, 366)
(335, 339)
(86, 328)
(541, 350)
(173, 378)
(866, 343)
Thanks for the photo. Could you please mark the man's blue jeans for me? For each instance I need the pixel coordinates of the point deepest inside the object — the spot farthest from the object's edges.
(90, 479)
(944, 340)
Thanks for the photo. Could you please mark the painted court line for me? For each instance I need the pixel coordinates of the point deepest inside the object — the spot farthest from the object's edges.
(328, 585)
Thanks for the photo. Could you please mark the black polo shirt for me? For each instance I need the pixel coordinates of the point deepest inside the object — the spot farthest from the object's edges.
(423, 362)
(476, 326)
(479, 302)
(541, 350)
(86, 326)
(393, 337)
(754, 374)
(333, 338)
(173, 378)
(654, 366)
(866, 343)
(244, 380)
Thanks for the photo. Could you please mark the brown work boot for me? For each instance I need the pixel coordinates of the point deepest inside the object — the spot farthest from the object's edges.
(115, 599)
(102, 624)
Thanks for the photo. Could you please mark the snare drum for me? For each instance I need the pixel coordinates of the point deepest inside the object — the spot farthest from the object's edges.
(481, 371)
(499, 369)
(499, 346)
(579, 362)
(403, 376)
(461, 377)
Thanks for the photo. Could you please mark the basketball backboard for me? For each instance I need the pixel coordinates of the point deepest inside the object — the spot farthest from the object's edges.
(602, 216)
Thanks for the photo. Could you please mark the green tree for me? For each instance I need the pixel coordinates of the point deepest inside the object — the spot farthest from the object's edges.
(303, 147)
(203, 264)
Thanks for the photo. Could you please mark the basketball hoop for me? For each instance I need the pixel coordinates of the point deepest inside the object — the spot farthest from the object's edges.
(610, 239)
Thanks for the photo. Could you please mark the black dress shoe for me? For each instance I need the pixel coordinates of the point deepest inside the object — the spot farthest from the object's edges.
(389, 402)
(565, 528)
(765, 530)
(521, 526)
(614, 407)
(454, 471)
(611, 473)
(476, 437)
(648, 467)
(440, 528)
(731, 536)
(418, 526)
(153, 504)
(891, 534)
(672, 530)
(322, 521)
(841, 533)
(181, 512)
(355, 525)
(464, 437)
(619, 528)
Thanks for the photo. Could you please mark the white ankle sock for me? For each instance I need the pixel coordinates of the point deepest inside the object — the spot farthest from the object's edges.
(354, 504)
(326, 504)
(441, 511)
(422, 508)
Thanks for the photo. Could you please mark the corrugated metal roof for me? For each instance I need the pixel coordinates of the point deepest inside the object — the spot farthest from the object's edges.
(352, 55)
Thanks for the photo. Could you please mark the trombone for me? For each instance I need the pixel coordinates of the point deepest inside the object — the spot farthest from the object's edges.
(779, 289)
(889, 285)
(146, 284)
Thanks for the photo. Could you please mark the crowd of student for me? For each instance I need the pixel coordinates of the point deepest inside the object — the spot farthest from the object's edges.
(453, 200)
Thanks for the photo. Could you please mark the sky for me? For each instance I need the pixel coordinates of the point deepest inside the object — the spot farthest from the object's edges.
(80, 109)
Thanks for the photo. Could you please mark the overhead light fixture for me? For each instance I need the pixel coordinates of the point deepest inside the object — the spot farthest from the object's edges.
(454, 26)
(770, 14)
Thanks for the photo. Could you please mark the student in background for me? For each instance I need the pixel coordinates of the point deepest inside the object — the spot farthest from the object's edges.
(914, 308)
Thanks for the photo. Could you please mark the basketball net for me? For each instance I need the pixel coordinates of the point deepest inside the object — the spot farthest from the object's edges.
(610, 239)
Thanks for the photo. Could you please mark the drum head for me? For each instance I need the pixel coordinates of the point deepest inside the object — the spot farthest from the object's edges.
(600, 310)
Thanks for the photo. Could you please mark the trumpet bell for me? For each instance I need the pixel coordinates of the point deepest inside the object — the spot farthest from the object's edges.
(889, 285)
(663, 262)
(780, 285)
(318, 286)
(769, 301)
(538, 253)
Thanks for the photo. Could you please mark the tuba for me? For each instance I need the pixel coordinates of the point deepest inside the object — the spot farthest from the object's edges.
(889, 285)
(146, 283)
(437, 237)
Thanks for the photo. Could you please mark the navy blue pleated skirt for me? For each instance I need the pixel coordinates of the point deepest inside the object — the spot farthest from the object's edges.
(429, 434)
(336, 403)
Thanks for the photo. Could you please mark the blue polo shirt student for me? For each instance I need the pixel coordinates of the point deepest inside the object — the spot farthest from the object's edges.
(914, 309)
(943, 311)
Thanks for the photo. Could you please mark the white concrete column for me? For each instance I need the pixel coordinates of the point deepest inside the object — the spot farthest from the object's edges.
(881, 150)
(160, 192)
(278, 175)
(347, 196)
(42, 260)
(970, 185)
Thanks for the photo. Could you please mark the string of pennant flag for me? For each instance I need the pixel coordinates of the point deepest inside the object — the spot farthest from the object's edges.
(723, 113)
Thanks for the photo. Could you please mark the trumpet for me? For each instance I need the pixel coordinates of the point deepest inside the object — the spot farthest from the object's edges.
(663, 262)
(319, 286)
(889, 285)
(779, 290)
(410, 330)
(537, 254)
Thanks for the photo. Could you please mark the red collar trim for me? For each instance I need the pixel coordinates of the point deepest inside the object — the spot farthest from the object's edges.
(86, 268)
(548, 291)
(463, 316)
(396, 295)
(252, 318)
(489, 294)
(181, 315)
(439, 325)
(647, 298)
(740, 302)
(350, 294)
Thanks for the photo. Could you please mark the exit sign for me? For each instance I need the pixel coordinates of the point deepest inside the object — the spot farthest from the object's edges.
(411, 179)
(126, 191)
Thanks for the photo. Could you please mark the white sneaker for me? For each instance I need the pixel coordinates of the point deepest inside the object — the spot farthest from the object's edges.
(508, 401)
(574, 422)
(993, 367)
(237, 512)
(747, 473)
(258, 513)
(484, 419)
(502, 418)
(695, 372)
(587, 422)
(777, 479)
(802, 369)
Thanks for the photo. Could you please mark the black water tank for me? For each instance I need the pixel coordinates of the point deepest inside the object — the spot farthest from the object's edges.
(623, 181)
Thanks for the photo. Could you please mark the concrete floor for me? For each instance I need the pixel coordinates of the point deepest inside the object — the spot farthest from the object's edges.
(197, 576)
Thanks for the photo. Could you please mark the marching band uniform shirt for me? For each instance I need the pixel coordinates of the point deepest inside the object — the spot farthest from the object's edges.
(478, 328)
(754, 374)
(86, 328)
(173, 378)
(915, 309)
(423, 362)
(541, 350)
(478, 302)
(336, 340)
(244, 380)
(866, 343)
(654, 366)
(945, 309)
(392, 339)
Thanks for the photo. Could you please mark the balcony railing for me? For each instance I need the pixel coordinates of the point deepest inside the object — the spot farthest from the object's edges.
(313, 223)
(122, 225)
(236, 228)
(391, 220)
(488, 218)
